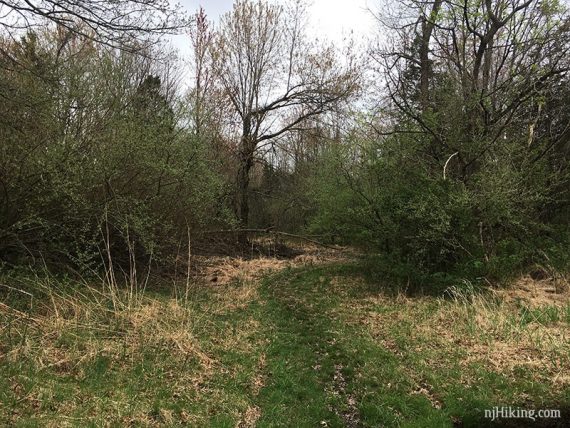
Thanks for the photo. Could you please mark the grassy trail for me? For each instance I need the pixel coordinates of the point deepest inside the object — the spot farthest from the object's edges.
(304, 346)
(324, 369)
(307, 362)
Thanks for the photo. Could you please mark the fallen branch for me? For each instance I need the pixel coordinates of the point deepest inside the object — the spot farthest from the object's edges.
(270, 231)
(292, 235)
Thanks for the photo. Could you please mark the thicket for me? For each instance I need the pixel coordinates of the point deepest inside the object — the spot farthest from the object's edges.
(96, 156)
(459, 168)
(467, 174)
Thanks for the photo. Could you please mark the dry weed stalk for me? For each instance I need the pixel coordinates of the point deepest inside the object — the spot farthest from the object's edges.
(135, 288)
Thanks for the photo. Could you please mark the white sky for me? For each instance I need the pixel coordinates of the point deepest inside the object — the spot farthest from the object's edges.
(330, 20)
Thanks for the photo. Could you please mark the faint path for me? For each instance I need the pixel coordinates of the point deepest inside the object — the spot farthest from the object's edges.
(302, 372)
(306, 359)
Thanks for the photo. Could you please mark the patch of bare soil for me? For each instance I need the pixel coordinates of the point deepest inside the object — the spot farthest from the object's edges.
(425, 389)
(350, 415)
(250, 417)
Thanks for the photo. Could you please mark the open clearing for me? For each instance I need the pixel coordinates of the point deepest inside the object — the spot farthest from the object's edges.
(311, 341)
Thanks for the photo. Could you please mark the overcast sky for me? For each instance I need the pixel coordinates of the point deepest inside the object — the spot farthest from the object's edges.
(328, 19)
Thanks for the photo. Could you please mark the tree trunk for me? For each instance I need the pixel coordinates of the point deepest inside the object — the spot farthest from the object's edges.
(427, 26)
(242, 200)
(246, 152)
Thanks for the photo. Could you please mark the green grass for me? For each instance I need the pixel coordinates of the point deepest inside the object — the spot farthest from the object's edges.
(415, 382)
(323, 371)
(319, 346)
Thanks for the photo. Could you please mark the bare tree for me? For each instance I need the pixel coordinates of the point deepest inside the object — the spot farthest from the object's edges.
(117, 23)
(201, 35)
(273, 79)
(498, 56)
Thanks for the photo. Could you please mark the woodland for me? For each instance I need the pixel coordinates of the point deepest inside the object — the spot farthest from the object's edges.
(429, 164)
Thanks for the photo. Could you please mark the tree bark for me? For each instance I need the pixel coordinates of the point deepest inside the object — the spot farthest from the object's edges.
(428, 23)
(248, 143)
(242, 208)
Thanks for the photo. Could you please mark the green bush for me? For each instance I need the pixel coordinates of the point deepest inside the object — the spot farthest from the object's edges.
(95, 152)
(426, 229)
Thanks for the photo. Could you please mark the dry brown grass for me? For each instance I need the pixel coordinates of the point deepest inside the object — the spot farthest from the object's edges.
(226, 270)
(537, 293)
(67, 337)
(493, 330)
(73, 331)
(236, 279)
